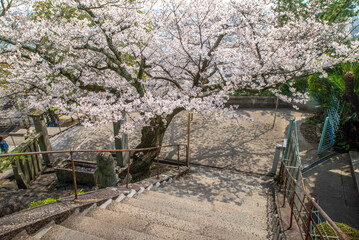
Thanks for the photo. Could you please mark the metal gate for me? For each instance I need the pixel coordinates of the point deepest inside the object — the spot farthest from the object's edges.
(331, 124)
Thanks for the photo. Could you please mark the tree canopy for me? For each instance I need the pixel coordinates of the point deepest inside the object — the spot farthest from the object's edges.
(153, 57)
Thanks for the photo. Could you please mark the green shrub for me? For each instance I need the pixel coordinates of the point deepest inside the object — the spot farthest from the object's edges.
(352, 233)
(42, 202)
(5, 162)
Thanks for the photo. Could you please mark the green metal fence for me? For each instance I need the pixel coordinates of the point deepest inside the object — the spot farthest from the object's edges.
(331, 124)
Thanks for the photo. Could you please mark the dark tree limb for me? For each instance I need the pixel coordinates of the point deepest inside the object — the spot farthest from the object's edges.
(349, 79)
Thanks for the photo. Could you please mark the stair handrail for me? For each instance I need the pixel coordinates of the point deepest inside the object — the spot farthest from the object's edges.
(157, 148)
(313, 203)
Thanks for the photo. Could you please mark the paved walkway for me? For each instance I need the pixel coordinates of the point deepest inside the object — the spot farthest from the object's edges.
(331, 183)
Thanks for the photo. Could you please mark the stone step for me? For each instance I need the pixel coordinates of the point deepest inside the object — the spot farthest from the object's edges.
(127, 222)
(102, 229)
(224, 186)
(226, 211)
(251, 199)
(246, 226)
(200, 228)
(23, 236)
(188, 186)
(58, 232)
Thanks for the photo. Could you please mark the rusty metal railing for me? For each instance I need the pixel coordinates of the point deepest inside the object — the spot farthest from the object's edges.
(71, 152)
(310, 217)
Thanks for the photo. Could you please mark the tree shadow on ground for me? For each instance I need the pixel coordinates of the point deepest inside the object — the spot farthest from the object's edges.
(245, 146)
(211, 185)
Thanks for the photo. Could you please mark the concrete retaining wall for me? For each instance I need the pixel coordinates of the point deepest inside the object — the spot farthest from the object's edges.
(354, 162)
(265, 102)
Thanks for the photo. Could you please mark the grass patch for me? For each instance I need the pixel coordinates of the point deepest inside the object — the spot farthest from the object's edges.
(42, 202)
(50, 200)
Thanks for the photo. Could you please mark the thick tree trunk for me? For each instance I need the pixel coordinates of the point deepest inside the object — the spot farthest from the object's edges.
(151, 136)
(349, 79)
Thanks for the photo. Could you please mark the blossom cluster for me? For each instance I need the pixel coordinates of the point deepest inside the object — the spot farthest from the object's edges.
(102, 58)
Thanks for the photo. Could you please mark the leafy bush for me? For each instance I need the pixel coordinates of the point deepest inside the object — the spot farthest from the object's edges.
(314, 120)
(5, 162)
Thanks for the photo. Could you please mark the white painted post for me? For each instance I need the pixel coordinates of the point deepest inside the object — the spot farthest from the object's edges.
(278, 151)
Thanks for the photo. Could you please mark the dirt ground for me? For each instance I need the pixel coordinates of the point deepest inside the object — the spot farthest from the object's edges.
(309, 133)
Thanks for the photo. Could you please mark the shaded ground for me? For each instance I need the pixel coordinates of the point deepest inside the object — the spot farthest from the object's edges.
(309, 133)
(47, 186)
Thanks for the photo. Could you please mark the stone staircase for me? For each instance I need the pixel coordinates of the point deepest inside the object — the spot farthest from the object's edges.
(205, 204)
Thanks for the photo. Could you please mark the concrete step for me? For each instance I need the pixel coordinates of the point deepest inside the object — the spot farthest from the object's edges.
(206, 184)
(24, 236)
(127, 222)
(200, 228)
(246, 226)
(103, 229)
(230, 212)
(58, 232)
(182, 189)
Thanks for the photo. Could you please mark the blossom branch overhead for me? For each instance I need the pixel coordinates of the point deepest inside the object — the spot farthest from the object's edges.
(155, 58)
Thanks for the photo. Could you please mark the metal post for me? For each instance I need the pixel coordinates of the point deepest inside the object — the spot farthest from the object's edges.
(292, 209)
(128, 168)
(281, 175)
(74, 174)
(285, 186)
(309, 219)
(323, 135)
(178, 156)
(188, 138)
(158, 162)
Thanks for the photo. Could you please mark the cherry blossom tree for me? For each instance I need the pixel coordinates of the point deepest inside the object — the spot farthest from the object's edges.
(154, 59)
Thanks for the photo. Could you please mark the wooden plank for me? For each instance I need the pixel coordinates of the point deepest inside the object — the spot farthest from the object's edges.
(34, 160)
(19, 176)
(30, 165)
(38, 157)
(26, 169)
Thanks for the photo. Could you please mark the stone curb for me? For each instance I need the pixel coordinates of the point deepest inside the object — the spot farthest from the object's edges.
(354, 162)
(34, 219)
